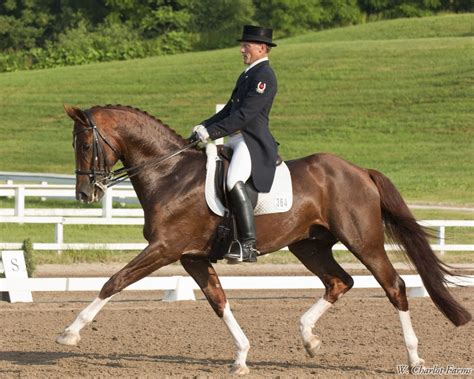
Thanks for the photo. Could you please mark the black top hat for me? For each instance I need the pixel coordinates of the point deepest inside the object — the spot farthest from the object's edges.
(257, 34)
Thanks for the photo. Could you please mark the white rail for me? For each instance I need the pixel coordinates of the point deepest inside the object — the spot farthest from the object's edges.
(66, 191)
(181, 288)
(60, 245)
(108, 215)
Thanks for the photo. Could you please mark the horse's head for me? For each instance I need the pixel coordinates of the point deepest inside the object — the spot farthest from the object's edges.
(95, 154)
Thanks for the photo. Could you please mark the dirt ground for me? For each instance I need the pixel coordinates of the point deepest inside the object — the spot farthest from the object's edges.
(139, 335)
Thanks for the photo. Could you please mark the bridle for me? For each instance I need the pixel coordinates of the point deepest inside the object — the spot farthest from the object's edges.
(104, 178)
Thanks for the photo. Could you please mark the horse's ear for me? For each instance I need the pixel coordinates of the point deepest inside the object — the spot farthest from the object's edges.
(76, 114)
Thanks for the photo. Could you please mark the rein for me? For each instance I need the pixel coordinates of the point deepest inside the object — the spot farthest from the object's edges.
(110, 178)
(124, 173)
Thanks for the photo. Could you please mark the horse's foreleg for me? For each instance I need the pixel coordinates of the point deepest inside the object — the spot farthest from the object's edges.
(317, 257)
(71, 335)
(241, 342)
(142, 265)
(206, 277)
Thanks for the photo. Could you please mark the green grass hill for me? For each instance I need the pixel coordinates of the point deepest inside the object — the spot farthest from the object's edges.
(396, 96)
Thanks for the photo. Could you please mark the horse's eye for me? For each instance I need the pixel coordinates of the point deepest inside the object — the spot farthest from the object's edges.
(86, 147)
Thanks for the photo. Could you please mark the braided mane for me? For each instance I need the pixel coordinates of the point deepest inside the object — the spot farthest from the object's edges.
(140, 112)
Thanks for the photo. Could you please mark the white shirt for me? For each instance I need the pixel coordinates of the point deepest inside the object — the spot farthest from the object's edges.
(256, 63)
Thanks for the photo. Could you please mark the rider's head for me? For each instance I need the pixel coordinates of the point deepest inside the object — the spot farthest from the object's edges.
(256, 43)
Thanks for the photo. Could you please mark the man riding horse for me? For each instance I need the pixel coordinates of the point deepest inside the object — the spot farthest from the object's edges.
(245, 120)
(325, 209)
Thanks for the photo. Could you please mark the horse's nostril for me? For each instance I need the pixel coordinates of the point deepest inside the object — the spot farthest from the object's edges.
(81, 196)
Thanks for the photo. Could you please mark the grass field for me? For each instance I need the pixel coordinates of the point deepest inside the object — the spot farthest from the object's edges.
(393, 95)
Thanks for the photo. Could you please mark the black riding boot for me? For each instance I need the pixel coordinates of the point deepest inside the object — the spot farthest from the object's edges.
(243, 250)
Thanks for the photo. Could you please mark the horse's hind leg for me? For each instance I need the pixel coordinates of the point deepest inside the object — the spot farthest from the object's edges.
(206, 277)
(380, 266)
(369, 249)
(149, 260)
(317, 256)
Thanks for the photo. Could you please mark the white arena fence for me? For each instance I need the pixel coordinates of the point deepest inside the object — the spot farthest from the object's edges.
(108, 215)
(179, 288)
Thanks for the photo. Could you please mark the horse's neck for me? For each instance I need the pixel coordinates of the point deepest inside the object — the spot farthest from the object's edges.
(142, 144)
(161, 184)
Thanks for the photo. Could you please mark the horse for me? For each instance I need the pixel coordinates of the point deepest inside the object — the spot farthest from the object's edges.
(334, 201)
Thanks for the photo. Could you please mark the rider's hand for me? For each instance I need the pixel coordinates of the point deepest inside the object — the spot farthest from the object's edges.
(193, 137)
(201, 132)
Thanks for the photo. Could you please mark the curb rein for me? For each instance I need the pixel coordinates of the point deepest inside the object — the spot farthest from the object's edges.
(105, 178)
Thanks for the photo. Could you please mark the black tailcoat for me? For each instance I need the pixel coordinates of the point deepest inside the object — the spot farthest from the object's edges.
(247, 111)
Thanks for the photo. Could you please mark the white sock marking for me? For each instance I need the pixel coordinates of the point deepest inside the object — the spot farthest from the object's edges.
(240, 340)
(411, 341)
(87, 314)
(308, 320)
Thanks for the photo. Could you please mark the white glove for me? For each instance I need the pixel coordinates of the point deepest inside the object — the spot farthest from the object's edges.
(202, 132)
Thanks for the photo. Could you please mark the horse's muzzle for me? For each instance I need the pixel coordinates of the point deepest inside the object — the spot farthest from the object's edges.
(89, 193)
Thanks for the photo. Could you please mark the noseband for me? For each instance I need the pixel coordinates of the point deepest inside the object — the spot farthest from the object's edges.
(106, 178)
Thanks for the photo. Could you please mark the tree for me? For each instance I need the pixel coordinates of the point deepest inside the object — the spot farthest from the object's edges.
(402, 8)
(22, 24)
(290, 17)
(218, 23)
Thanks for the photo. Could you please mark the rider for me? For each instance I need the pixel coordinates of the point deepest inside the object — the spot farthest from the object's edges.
(245, 120)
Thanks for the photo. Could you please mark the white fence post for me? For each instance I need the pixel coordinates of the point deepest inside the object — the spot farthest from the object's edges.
(219, 141)
(43, 183)
(9, 183)
(107, 202)
(20, 201)
(183, 290)
(59, 235)
(442, 239)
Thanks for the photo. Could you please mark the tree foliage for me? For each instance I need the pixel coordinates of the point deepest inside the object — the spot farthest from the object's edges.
(219, 22)
(290, 17)
(412, 8)
(48, 33)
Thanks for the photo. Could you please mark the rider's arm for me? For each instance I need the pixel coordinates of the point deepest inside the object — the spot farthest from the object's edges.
(252, 106)
(223, 113)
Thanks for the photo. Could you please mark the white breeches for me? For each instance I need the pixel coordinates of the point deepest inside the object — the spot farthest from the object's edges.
(240, 167)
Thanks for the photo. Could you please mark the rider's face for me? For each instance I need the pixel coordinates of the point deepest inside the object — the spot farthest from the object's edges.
(252, 51)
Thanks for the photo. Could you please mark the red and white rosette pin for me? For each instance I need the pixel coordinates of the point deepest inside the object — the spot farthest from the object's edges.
(261, 86)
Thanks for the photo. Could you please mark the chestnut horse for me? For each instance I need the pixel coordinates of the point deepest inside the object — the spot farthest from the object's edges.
(334, 200)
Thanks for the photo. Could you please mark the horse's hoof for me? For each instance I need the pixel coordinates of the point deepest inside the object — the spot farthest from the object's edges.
(69, 338)
(312, 346)
(239, 370)
(419, 363)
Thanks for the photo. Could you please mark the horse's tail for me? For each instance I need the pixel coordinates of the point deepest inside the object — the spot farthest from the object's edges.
(403, 229)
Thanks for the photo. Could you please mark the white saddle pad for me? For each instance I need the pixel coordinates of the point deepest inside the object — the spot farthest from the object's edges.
(279, 199)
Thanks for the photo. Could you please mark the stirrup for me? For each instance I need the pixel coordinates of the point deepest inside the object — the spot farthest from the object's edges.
(241, 252)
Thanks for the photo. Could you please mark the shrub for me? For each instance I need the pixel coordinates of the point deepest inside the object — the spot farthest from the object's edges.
(80, 46)
(29, 259)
